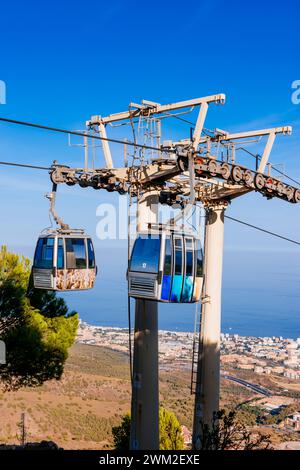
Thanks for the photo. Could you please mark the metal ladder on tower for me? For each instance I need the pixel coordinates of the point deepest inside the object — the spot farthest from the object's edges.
(196, 346)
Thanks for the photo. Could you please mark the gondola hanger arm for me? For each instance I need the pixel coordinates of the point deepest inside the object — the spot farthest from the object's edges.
(52, 197)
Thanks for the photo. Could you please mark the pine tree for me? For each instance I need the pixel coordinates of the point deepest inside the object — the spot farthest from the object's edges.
(121, 434)
(169, 430)
(37, 329)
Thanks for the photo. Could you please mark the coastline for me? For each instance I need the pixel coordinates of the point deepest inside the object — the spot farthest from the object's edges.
(182, 332)
(263, 355)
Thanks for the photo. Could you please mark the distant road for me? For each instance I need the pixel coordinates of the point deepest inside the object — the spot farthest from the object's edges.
(254, 387)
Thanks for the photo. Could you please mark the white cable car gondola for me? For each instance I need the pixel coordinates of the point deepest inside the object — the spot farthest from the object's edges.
(166, 265)
(64, 258)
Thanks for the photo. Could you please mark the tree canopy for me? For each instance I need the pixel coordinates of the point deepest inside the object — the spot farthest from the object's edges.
(227, 432)
(170, 432)
(121, 434)
(37, 327)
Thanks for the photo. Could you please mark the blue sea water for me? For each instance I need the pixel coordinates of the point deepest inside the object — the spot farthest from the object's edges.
(260, 297)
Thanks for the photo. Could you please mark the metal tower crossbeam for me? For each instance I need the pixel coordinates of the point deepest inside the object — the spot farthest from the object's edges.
(149, 108)
(213, 180)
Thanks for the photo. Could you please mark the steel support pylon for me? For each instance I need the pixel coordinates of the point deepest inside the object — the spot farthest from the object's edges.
(145, 387)
(208, 368)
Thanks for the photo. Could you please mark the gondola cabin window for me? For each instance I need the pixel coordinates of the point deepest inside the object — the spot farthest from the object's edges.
(168, 257)
(44, 253)
(75, 252)
(91, 254)
(178, 256)
(199, 255)
(145, 256)
(60, 254)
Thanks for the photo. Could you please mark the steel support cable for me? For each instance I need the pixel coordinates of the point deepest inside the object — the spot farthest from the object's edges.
(263, 230)
(117, 141)
(128, 298)
(240, 148)
(129, 335)
(35, 167)
(205, 131)
(23, 165)
(274, 168)
(197, 334)
(80, 134)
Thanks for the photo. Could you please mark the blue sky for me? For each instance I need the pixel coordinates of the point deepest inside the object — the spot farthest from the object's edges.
(65, 61)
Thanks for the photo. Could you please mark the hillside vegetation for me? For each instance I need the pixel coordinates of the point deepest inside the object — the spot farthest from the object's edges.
(79, 411)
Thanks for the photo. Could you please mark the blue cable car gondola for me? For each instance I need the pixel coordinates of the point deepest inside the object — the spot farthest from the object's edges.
(64, 260)
(166, 265)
